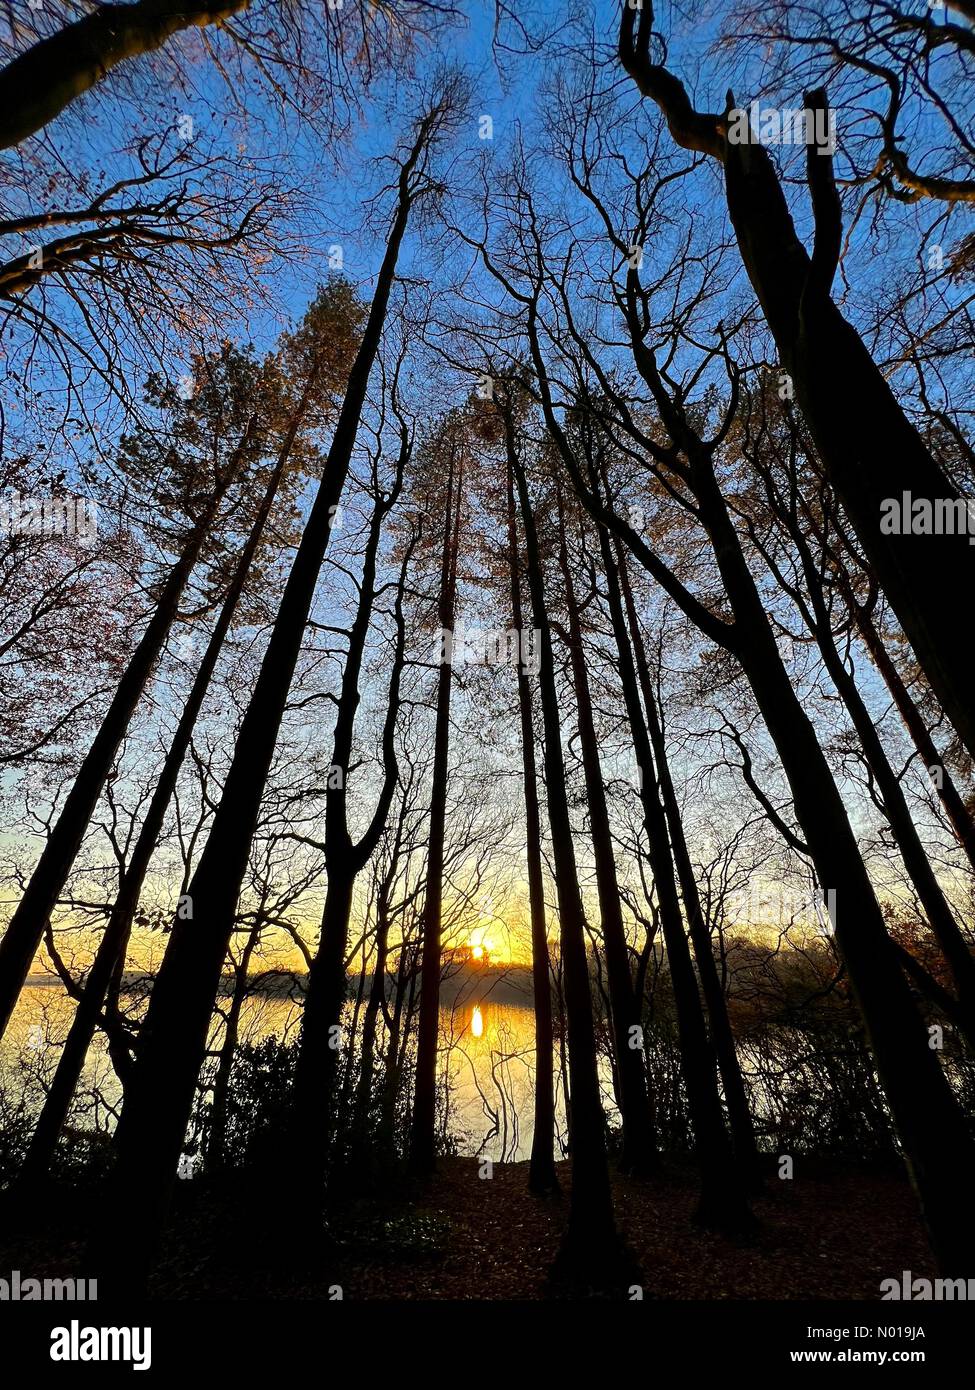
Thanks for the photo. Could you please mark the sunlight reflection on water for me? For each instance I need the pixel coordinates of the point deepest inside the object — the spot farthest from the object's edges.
(487, 1058)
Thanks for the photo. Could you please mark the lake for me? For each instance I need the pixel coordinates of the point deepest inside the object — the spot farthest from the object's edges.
(487, 1058)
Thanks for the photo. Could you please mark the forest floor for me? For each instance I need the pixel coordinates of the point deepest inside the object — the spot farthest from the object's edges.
(830, 1232)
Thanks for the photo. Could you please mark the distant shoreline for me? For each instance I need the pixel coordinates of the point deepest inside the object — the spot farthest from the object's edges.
(500, 984)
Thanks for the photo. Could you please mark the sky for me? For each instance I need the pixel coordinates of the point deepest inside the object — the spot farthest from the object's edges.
(338, 179)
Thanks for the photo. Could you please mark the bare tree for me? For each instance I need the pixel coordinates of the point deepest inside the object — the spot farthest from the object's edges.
(869, 448)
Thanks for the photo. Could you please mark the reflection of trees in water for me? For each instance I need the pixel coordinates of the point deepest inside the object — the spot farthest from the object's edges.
(490, 1077)
(501, 1093)
(810, 1081)
(492, 1070)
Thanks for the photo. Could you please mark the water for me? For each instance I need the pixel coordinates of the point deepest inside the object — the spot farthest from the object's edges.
(487, 1061)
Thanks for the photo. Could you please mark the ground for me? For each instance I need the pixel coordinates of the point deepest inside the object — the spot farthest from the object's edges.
(830, 1232)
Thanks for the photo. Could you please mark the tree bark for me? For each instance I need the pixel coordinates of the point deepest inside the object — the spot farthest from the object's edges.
(37, 85)
(541, 1169)
(422, 1158)
(23, 935)
(112, 947)
(173, 1040)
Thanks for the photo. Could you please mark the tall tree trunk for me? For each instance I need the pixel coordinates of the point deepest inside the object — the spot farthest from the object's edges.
(869, 448)
(173, 1040)
(321, 1040)
(313, 1108)
(391, 1066)
(934, 1133)
(958, 813)
(591, 1236)
(216, 1150)
(954, 947)
(370, 1029)
(736, 1097)
(639, 1153)
(40, 897)
(722, 1202)
(112, 947)
(37, 85)
(541, 1169)
(422, 1134)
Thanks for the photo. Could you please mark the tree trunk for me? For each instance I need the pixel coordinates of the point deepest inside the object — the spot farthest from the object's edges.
(422, 1135)
(391, 1069)
(736, 1097)
(321, 1040)
(639, 1148)
(173, 1040)
(940, 917)
(216, 1150)
(112, 947)
(541, 1169)
(38, 84)
(722, 1202)
(951, 798)
(934, 1133)
(23, 935)
(591, 1237)
(313, 1114)
(370, 1028)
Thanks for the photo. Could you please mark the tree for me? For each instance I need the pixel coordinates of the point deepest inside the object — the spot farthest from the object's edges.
(42, 81)
(334, 312)
(925, 1110)
(541, 1170)
(113, 273)
(313, 1095)
(736, 1098)
(422, 1137)
(639, 1152)
(868, 447)
(159, 1099)
(204, 490)
(590, 1244)
(63, 63)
